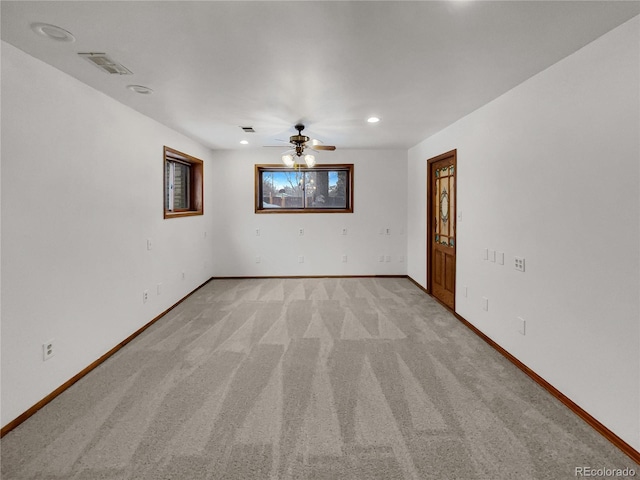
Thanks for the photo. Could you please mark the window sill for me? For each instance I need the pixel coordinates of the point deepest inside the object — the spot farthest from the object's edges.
(189, 213)
(303, 210)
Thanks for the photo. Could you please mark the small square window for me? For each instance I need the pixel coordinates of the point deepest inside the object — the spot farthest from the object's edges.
(183, 184)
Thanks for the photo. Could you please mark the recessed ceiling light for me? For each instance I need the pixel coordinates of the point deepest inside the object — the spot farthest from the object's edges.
(51, 31)
(141, 89)
(244, 142)
(373, 119)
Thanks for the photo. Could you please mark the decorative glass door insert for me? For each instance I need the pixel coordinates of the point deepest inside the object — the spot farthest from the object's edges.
(444, 200)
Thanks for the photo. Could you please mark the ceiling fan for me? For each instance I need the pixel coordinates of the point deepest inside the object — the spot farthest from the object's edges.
(301, 142)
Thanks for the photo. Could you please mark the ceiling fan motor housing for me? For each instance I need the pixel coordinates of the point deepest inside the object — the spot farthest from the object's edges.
(299, 140)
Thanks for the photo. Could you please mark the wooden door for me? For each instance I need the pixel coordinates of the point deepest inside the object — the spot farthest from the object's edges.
(441, 234)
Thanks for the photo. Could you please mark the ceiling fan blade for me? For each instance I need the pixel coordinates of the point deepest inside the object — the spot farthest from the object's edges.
(322, 147)
(284, 149)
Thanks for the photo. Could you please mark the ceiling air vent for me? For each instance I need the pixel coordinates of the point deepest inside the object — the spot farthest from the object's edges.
(248, 129)
(106, 64)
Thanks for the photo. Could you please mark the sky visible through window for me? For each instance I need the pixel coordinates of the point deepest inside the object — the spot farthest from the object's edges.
(290, 182)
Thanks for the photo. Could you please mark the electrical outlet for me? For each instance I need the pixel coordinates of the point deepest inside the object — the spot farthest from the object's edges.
(344, 231)
(485, 304)
(145, 296)
(149, 244)
(301, 259)
(301, 231)
(388, 231)
(344, 259)
(47, 350)
(183, 276)
(519, 264)
(257, 232)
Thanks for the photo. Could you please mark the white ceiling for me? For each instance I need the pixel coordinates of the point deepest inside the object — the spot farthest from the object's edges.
(215, 66)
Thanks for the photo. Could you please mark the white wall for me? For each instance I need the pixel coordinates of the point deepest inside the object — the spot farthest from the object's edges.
(81, 193)
(379, 203)
(550, 171)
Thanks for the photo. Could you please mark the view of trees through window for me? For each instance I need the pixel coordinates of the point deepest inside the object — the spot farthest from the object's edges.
(304, 188)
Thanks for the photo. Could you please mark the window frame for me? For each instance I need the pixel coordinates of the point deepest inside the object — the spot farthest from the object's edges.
(259, 197)
(195, 187)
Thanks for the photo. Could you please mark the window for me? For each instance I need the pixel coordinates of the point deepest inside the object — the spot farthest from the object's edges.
(183, 178)
(321, 189)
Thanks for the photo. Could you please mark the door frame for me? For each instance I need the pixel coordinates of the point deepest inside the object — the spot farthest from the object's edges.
(451, 153)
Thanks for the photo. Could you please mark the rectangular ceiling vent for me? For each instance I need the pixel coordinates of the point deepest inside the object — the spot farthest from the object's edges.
(248, 129)
(106, 64)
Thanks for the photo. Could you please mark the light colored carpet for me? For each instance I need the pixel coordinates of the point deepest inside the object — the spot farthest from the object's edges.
(361, 378)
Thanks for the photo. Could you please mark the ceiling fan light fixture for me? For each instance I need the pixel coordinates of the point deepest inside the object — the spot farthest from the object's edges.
(373, 119)
(299, 144)
(310, 160)
(288, 160)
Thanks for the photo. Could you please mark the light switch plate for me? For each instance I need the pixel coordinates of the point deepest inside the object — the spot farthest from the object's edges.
(522, 326)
